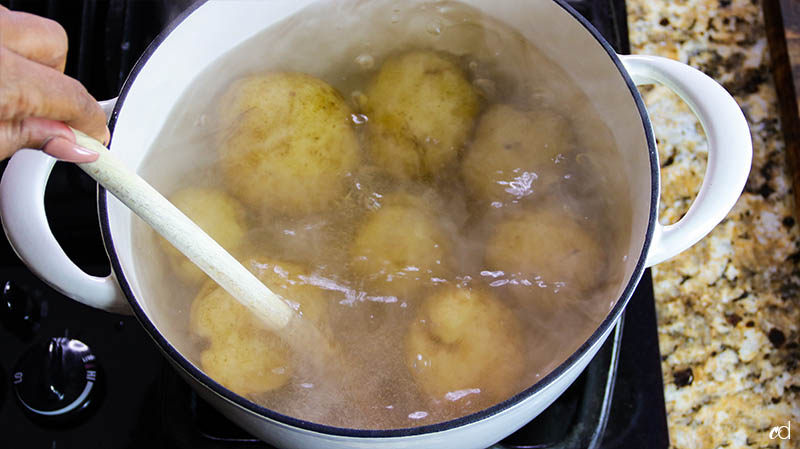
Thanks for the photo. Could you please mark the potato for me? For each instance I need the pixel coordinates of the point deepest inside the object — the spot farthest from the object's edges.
(221, 216)
(514, 153)
(242, 355)
(289, 145)
(421, 110)
(400, 248)
(550, 246)
(465, 341)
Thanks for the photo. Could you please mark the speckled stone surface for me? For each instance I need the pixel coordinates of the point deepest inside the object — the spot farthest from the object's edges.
(728, 308)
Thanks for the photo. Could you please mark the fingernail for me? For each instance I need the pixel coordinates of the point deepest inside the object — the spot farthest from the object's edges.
(64, 150)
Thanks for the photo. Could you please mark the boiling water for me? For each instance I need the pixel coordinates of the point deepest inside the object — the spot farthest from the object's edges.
(370, 327)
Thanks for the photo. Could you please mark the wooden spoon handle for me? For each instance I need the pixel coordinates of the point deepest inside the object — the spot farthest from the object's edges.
(185, 235)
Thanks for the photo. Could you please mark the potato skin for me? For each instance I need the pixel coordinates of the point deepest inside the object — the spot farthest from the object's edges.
(421, 110)
(289, 144)
(400, 247)
(550, 245)
(242, 355)
(220, 215)
(465, 339)
(514, 152)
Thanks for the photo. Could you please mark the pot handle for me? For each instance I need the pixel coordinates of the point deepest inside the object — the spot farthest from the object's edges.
(730, 150)
(25, 223)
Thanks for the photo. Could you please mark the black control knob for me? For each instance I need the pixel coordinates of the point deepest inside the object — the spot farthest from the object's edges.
(18, 311)
(57, 379)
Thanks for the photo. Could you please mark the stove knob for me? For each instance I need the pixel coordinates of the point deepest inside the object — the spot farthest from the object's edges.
(57, 380)
(18, 312)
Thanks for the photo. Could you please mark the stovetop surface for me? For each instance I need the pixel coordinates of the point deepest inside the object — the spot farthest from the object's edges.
(139, 401)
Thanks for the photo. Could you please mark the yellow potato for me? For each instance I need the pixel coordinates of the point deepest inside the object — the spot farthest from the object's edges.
(289, 145)
(220, 215)
(242, 355)
(548, 246)
(514, 153)
(465, 341)
(421, 110)
(400, 248)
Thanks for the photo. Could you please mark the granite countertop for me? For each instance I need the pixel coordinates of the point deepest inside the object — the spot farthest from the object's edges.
(729, 307)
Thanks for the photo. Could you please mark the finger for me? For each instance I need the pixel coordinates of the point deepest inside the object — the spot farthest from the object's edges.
(68, 151)
(29, 89)
(36, 38)
(54, 138)
(30, 133)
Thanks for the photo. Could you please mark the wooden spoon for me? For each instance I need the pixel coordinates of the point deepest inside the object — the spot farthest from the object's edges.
(314, 350)
(186, 236)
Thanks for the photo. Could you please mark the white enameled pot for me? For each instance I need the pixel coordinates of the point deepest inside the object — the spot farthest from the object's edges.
(212, 28)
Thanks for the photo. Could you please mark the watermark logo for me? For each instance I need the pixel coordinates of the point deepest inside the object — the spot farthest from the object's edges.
(781, 432)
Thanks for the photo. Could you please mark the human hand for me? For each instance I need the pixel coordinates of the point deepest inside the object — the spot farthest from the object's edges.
(37, 101)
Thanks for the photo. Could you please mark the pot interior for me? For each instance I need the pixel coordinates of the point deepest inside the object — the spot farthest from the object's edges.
(222, 41)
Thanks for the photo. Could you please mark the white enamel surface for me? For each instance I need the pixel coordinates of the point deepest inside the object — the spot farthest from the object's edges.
(25, 223)
(26, 227)
(730, 151)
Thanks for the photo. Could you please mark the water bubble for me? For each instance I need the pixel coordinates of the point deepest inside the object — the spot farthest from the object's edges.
(459, 394)
(395, 18)
(434, 27)
(365, 61)
(473, 66)
(359, 119)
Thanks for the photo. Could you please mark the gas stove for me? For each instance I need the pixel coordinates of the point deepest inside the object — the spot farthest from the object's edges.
(126, 394)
